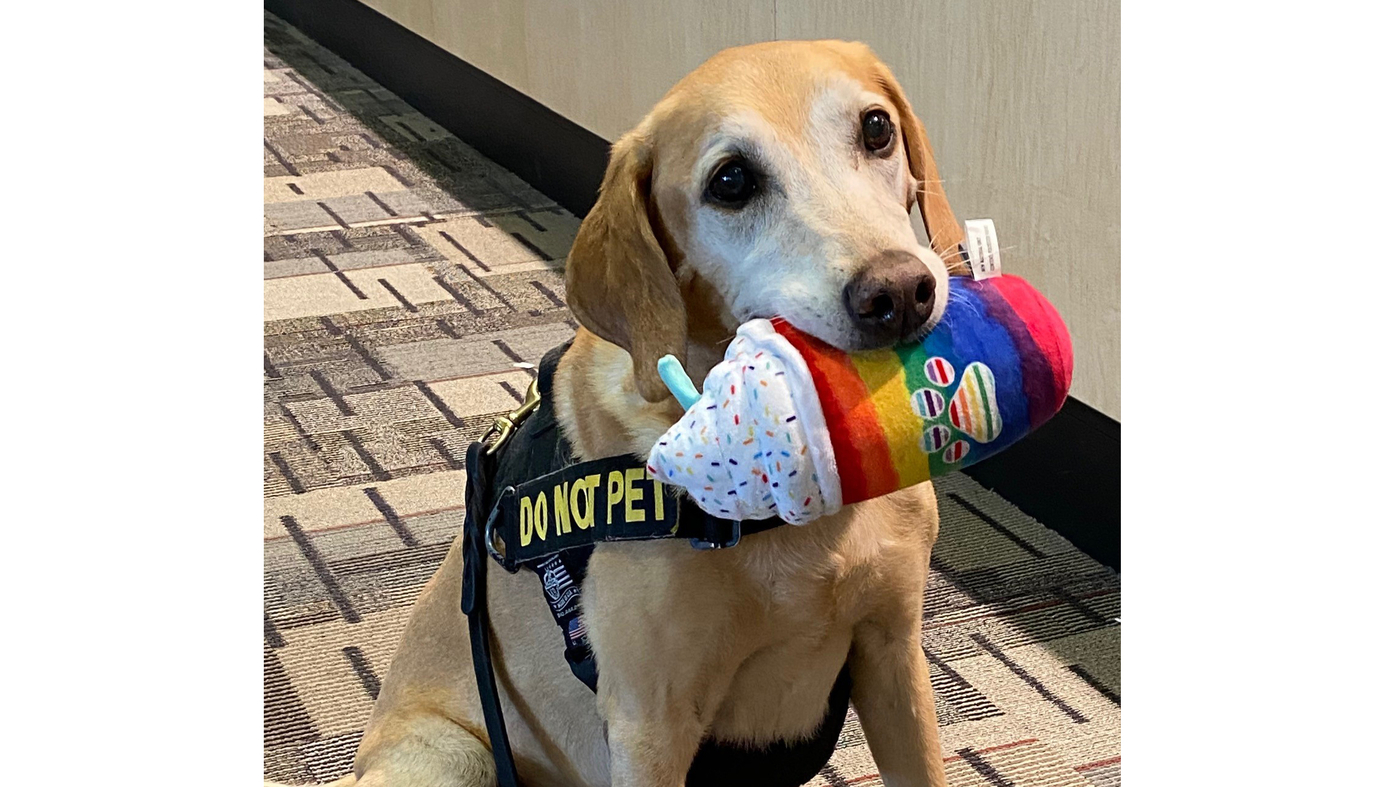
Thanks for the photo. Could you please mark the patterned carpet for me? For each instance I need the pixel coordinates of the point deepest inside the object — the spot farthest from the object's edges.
(405, 276)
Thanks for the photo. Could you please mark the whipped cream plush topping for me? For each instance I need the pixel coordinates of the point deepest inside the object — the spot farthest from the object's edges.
(754, 445)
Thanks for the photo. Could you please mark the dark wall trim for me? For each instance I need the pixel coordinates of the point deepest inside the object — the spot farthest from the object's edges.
(1066, 474)
(560, 158)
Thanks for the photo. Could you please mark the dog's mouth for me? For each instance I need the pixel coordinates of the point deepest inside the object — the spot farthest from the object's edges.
(894, 299)
(849, 336)
(862, 343)
(848, 339)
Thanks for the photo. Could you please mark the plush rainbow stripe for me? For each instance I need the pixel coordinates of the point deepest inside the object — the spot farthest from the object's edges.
(996, 366)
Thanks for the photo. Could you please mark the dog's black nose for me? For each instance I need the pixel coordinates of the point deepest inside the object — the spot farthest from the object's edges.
(891, 297)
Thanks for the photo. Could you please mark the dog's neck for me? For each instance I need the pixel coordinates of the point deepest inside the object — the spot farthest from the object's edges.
(597, 401)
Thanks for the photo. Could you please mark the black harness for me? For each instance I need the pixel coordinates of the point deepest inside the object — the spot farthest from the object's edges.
(530, 504)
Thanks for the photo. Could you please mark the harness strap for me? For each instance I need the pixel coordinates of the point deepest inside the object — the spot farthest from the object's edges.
(480, 468)
(600, 501)
(524, 512)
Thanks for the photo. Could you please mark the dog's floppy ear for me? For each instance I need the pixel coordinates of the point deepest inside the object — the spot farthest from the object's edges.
(943, 229)
(618, 281)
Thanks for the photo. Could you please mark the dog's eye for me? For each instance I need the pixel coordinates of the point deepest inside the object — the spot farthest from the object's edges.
(732, 184)
(877, 129)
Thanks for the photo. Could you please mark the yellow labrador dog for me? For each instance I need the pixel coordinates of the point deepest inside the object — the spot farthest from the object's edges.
(776, 179)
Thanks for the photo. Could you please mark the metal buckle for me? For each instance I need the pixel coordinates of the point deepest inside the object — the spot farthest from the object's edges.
(710, 541)
(495, 545)
(506, 425)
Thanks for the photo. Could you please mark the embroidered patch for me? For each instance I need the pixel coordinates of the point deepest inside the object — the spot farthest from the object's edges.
(559, 586)
(971, 410)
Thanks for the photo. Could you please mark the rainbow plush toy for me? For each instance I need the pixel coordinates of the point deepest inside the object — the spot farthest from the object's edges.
(787, 425)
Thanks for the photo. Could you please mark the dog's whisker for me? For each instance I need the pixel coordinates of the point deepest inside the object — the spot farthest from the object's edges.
(948, 255)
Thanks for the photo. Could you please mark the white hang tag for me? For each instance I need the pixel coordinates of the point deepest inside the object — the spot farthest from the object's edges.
(983, 253)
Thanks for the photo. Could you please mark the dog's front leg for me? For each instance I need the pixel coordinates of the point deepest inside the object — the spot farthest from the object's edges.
(651, 740)
(664, 657)
(894, 700)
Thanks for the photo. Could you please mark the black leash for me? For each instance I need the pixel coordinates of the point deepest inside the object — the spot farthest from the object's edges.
(479, 472)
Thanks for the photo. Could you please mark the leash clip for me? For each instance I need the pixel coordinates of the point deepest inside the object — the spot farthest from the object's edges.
(506, 425)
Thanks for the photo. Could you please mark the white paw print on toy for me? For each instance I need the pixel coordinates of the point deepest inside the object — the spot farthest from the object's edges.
(968, 411)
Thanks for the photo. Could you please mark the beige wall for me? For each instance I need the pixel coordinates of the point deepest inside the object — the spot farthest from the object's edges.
(1020, 99)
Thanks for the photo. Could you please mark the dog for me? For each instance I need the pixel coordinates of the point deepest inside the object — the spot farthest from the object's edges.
(776, 179)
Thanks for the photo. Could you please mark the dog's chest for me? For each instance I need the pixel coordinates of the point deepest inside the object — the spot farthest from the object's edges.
(804, 586)
(794, 632)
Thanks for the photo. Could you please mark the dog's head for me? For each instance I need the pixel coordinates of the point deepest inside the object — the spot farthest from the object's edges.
(773, 181)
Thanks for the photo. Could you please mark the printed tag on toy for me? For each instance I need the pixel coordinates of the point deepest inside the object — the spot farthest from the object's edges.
(983, 253)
